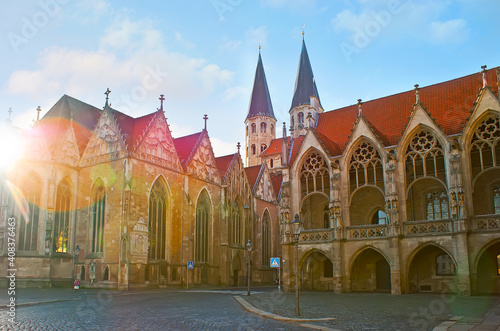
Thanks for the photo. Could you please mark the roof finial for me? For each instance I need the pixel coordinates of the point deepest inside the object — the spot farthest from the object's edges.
(162, 98)
(417, 94)
(238, 146)
(359, 107)
(260, 41)
(38, 110)
(485, 82)
(284, 130)
(10, 112)
(205, 117)
(303, 27)
(107, 97)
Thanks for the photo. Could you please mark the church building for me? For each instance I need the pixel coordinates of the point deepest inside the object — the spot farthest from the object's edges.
(399, 194)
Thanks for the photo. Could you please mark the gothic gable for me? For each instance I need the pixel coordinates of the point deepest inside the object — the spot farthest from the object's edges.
(264, 187)
(362, 128)
(67, 151)
(486, 101)
(202, 164)
(156, 145)
(106, 143)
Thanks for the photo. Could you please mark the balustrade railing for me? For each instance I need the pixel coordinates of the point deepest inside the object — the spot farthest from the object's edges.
(366, 231)
(435, 227)
(486, 223)
(316, 235)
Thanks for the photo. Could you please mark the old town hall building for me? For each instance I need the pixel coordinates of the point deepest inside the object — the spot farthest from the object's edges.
(398, 194)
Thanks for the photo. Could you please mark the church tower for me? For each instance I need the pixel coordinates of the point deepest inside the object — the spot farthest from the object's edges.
(260, 122)
(306, 105)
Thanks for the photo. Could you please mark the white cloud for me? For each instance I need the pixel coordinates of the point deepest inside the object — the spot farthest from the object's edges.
(229, 46)
(235, 92)
(453, 31)
(184, 42)
(131, 35)
(92, 10)
(222, 148)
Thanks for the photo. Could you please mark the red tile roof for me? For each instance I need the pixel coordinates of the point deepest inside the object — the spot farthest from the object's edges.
(252, 174)
(275, 147)
(185, 145)
(276, 181)
(449, 103)
(141, 124)
(332, 148)
(223, 163)
(296, 143)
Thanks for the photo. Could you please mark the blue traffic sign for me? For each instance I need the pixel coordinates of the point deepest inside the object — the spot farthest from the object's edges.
(275, 262)
(190, 265)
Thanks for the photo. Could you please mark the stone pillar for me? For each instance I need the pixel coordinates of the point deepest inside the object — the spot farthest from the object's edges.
(337, 267)
(463, 267)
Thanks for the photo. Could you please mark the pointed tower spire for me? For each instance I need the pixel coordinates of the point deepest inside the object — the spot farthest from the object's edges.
(260, 101)
(305, 84)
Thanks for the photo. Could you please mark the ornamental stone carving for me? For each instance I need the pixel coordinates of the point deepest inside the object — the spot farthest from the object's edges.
(139, 242)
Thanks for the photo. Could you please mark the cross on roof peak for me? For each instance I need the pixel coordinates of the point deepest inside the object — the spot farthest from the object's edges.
(162, 98)
(205, 117)
(107, 96)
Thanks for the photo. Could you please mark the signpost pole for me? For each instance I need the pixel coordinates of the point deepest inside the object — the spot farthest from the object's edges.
(187, 277)
(279, 280)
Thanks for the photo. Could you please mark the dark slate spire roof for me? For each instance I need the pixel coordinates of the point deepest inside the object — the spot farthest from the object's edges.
(305, 85)
(260, 102)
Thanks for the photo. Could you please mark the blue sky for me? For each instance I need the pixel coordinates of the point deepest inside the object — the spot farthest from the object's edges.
(202, 54)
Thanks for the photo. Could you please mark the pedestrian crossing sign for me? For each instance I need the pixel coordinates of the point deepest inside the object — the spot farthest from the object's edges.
(190, 264)
(275, 262)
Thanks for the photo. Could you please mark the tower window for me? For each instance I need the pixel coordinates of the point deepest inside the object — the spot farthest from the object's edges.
(272, 129)
(263, 127)
(253, 150)
(301, 117)
(254, 128)
(293, 120)
(263, 147)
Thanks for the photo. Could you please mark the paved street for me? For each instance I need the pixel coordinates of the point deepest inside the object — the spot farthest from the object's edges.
(147, 310)
(216, 309)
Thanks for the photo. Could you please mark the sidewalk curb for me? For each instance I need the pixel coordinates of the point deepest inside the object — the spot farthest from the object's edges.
(249, 307)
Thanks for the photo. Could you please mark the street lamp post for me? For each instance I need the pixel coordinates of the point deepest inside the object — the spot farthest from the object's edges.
(297, 227)
(76, 253)
(249, 250)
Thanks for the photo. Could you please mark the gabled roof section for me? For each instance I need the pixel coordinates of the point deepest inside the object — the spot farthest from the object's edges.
(69, 111)
(294, 149)
(224, 162)
(305, 84)
(141, 125)
(332, 148)
(275, 147)
(449, 103)
(253, 174)
(260, 101)
(185, 146)
(125, 124)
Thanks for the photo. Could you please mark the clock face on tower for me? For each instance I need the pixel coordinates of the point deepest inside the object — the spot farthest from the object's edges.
(300, 126)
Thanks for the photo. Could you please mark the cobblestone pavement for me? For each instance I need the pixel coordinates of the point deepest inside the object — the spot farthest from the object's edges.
(377, 311)
(146, 310)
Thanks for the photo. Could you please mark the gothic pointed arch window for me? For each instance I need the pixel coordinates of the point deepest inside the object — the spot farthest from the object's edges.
(266, 239)
(202, 228)
(314, 175)
(485, 146)
(365, 167)
(157, 221)
(263, 127)
(28, 229)
(424, 158)
(236, 224)
(437, 205)
(97, 210)
(62, 216)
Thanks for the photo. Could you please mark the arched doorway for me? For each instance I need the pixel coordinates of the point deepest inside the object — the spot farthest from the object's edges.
(370, 272)
(432, 270)
(317, 272)
(488, 270)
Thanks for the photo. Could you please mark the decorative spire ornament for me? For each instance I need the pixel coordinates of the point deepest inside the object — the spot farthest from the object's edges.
(205, 117)
(485, 82)
(107, 97)
(417, 94)
(162, 98)
(359, 107)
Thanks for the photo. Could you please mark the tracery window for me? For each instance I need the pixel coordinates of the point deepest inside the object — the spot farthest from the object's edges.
(263, 127)
(444, 265)
(496, 199)
(485, 146)
(98, 207)
(157, 221)
(201, 234)
(437, 206)
(366, 167)
(379, 217)
(314, 175)
(254, 128)
(266, 240)
(28, 227)
(301, 117)
(424, 157)
(62, 217)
